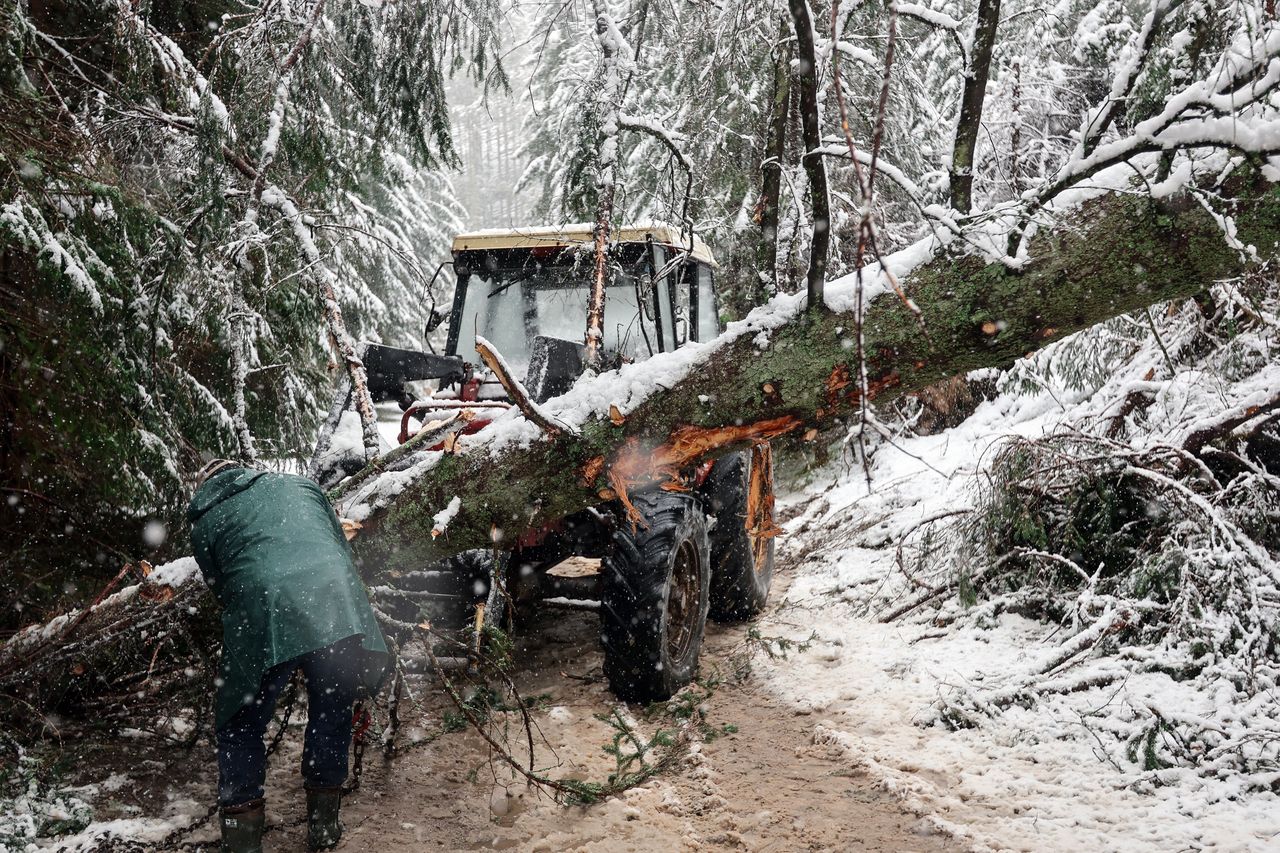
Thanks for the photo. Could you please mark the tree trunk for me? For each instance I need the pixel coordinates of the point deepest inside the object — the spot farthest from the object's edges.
(975, 92)
(1115, 254)
(606, 178)
(771, 168)
(815, 167)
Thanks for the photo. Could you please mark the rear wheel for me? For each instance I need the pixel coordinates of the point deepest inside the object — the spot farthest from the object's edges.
(740, 491)
(654, 598)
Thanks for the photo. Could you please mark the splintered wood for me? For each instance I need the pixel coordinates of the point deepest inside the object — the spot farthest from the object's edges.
(759, 521)
(635, 464)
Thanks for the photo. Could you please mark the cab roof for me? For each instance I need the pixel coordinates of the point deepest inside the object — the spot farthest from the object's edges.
(577, 234)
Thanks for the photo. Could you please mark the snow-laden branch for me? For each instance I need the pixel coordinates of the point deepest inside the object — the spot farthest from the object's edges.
(1182, 123)
(932, 17)
(939, 21)
(319, 271)
(516, 391)
(1131, 64)
(854, 52)
(247, 251)
(915, 194)
(657, 130)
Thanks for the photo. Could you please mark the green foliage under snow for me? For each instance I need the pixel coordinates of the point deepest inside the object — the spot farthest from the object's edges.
(136, 269)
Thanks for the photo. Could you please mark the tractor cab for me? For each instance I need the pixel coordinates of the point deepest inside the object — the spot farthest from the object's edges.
(526, 291)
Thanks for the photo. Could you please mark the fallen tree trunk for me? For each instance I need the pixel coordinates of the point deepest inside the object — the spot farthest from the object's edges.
(782, 373)
(788, 372)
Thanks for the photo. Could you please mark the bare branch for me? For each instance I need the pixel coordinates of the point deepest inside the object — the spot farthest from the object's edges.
(516, 391)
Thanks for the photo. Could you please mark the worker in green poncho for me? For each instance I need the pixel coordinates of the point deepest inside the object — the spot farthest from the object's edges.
(271, 548)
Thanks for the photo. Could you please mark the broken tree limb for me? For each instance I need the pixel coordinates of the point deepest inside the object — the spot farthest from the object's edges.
(1258, 405)
(400, 458)
(519, 396)
(784, 371)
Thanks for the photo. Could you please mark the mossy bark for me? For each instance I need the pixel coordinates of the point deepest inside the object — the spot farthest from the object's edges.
(1116, 254)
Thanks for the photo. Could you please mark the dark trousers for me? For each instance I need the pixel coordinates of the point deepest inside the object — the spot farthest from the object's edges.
(332, 677)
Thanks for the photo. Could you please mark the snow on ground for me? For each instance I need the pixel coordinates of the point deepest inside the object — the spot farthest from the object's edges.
(1037, 779)
(51, 817)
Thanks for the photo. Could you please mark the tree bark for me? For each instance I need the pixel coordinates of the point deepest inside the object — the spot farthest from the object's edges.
(975, 92)
(608, 99)
(1113, 255)
(771, 167)
(815, 167)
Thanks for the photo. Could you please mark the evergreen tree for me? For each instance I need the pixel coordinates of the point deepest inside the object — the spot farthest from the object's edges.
(180, 182)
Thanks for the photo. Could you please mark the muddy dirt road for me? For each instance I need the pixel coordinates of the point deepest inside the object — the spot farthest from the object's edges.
(752, 777)
(760, 785)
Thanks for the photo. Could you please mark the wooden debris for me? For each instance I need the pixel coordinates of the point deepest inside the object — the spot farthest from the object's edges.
(633, 466)
(591, 471)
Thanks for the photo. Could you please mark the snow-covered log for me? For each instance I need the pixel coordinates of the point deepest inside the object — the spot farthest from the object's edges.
(788, 373)
(106, 658)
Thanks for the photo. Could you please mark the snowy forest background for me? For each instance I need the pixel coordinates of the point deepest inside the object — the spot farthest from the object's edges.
(190, 189)
(161, 301)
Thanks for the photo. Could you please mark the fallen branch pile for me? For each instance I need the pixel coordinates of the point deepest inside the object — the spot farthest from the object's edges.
(143, 652)
(1151, 533)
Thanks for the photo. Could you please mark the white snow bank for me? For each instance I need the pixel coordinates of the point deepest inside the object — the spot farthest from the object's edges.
(1052, 776)
(137, 830)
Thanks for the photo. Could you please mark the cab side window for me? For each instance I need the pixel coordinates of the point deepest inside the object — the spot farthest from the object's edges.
(708, 314)
(681, 293)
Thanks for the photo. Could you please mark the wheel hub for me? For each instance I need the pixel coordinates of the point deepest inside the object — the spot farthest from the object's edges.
(682, 600)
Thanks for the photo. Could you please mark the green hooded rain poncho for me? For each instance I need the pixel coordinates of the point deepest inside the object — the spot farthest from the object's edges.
(272, 549)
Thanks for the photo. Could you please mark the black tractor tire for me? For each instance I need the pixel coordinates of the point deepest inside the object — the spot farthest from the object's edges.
(741, 566)
(654, 598)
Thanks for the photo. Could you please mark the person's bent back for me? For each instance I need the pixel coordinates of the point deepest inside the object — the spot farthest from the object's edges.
(273, 551)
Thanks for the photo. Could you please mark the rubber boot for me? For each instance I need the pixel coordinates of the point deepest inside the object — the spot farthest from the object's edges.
(324, 830)
(242, 827)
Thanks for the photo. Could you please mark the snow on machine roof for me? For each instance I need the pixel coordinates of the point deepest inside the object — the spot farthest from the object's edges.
(576, 235)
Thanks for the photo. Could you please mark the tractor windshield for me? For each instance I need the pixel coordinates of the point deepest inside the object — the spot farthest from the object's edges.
(511, 305)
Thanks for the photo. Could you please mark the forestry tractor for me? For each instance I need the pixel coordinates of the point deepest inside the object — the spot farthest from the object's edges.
(699, 547)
